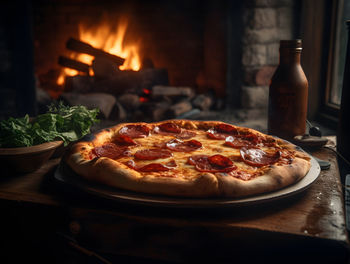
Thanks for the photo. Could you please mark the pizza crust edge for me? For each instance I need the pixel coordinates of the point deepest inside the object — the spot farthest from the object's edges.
(206, 185)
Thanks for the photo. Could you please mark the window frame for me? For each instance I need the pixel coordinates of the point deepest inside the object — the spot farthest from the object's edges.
(317, 29)
(330, 107)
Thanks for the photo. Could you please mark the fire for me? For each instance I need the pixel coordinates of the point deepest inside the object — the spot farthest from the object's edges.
(110, 40)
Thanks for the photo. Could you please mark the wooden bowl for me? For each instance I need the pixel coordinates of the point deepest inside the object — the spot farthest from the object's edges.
(27, 159)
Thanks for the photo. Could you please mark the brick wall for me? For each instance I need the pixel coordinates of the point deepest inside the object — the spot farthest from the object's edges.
(266, 22)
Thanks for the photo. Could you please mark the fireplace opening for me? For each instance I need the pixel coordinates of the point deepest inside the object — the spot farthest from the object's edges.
(135, 60)
(144, 60)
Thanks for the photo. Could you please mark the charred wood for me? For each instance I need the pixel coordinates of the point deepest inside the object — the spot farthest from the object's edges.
(82, 47)
(123, 82)
(131, 81)
(73, 64)
(104, 68)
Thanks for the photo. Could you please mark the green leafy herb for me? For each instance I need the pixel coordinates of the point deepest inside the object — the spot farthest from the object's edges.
(59, 123)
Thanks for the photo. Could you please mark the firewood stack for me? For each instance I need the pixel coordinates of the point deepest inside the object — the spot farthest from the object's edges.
(125, 95)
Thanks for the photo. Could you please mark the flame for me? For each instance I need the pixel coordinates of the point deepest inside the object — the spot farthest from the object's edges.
(108, 39)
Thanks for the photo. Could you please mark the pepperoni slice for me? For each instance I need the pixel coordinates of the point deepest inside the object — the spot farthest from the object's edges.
(220, 161)
(125, 140)
(257, 157)
(135, 131)
(222, 131)
(152, 167)
(152, 154)
(183, 146)
(170, 127)
(110, 150)
(236, 142)
(240, 141)
(252, 138)
(215, 163)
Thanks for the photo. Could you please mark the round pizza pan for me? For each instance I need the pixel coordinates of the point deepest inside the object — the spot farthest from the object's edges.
(65, 175)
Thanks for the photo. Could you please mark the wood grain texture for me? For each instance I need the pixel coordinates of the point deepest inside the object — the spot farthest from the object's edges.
(311, 224)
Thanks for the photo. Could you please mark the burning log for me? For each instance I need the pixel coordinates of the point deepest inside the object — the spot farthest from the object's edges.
(82, 47)
(122, 82)
(104, 68)
(131, 81)
(73, 64)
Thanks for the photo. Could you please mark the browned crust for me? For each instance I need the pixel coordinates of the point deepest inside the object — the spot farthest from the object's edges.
(116, 174)
(277, 177)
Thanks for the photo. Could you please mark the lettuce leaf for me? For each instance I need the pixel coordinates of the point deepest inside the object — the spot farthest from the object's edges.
(59, 123)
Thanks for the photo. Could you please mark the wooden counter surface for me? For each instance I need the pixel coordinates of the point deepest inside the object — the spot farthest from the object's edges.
(306, 227)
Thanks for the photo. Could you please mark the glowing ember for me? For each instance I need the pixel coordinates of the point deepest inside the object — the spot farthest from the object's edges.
(110, 40)
(143, 99)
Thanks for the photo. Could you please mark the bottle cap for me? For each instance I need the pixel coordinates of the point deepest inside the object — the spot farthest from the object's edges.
(291, 44)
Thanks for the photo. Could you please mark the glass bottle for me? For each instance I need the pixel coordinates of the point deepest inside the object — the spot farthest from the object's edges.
(343, 132)
(288, 93)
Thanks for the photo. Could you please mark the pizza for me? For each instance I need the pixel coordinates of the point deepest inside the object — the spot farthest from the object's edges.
(187, 158)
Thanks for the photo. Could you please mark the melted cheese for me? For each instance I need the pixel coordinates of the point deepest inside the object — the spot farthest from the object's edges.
(183, 170)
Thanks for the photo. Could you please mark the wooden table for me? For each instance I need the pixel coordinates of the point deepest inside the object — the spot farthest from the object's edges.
(46, 219)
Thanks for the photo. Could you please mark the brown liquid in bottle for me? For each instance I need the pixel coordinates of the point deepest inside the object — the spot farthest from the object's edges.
(288, 93)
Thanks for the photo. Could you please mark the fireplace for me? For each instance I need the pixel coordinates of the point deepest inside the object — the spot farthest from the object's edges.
(174, 44)
(207, 56)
